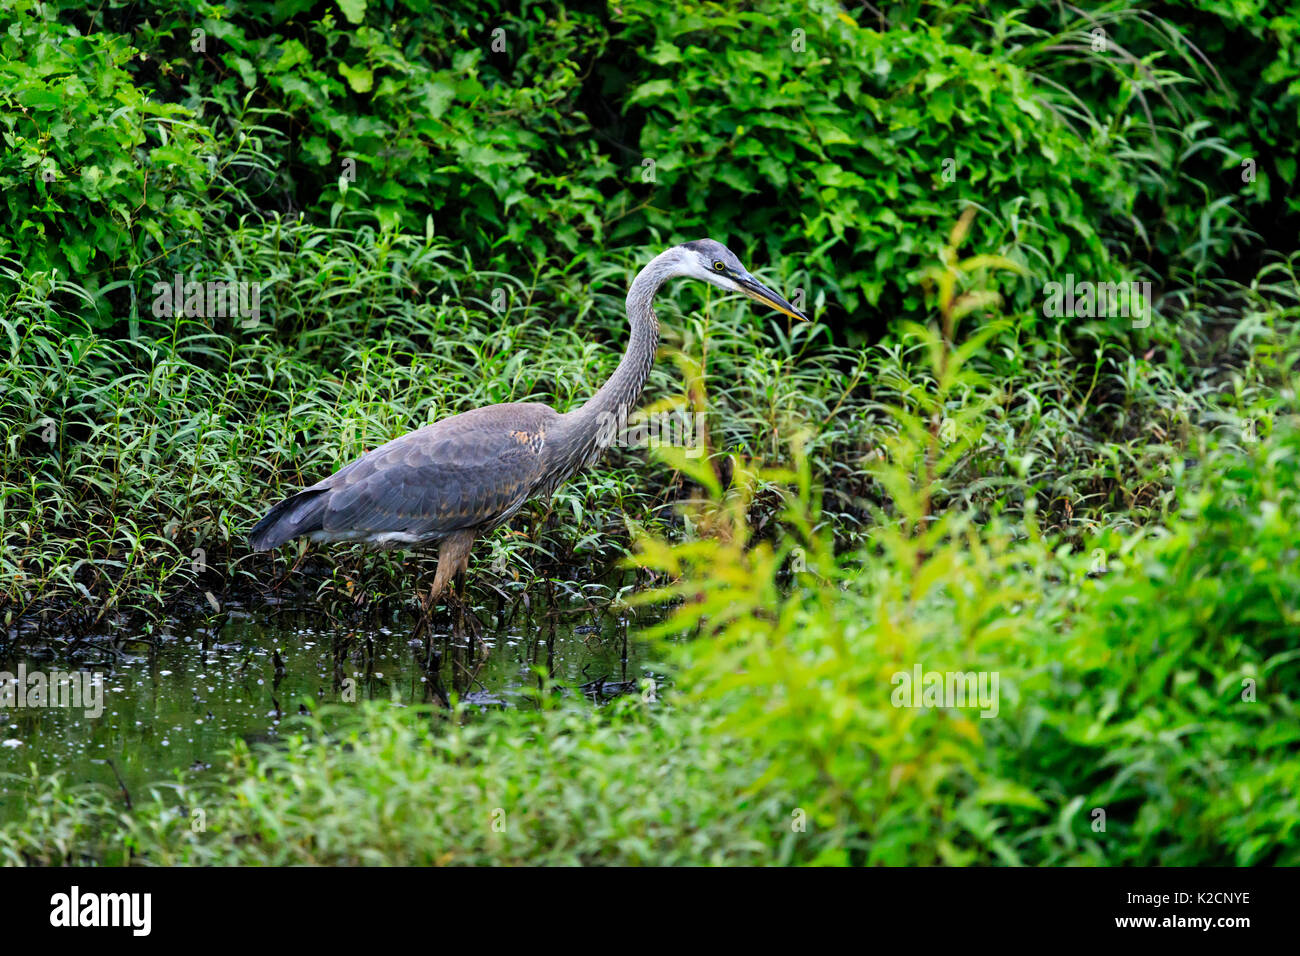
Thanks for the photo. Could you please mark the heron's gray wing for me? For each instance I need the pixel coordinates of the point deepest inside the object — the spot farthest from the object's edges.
(461, 472)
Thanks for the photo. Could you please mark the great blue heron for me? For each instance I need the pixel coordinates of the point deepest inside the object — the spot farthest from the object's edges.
(460, 477)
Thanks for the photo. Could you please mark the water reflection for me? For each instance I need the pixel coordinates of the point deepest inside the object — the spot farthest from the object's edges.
(170, 711)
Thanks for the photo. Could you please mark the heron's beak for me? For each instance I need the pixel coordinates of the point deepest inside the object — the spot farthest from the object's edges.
(761, 293)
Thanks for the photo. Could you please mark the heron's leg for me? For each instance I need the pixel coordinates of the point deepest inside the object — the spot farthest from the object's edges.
(467, 622)
(453, 555)
(424, 625)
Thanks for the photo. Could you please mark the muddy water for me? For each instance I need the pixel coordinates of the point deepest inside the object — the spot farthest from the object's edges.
(169, 711)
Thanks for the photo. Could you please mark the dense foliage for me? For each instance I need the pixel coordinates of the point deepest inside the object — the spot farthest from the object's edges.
(441, 205)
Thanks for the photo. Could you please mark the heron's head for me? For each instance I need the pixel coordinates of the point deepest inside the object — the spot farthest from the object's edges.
(714, 263)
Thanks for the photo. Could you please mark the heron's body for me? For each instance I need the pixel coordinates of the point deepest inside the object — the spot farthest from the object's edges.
(469, 471)
(460, 477)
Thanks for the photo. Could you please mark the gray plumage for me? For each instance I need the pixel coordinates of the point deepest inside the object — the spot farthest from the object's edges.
(465, 475)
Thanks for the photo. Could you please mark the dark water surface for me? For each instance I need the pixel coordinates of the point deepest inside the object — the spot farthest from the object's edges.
(169, 711)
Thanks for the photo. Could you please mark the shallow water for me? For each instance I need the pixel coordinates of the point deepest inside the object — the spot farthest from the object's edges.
(169, 711)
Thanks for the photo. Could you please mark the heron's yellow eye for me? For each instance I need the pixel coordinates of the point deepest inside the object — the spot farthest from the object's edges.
(719, 266)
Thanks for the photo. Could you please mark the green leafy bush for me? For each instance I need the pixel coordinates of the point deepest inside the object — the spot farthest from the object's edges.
(874, 139)
(468, 113)
(97, 175)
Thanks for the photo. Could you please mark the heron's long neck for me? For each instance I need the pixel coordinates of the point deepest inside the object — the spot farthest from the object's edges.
(623, 388)
(591, 426)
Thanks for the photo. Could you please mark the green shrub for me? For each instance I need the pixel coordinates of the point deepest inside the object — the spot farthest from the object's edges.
(874, 139)
(97, 175)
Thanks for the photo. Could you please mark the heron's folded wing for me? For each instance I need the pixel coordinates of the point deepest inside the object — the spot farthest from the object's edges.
(458, 473)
